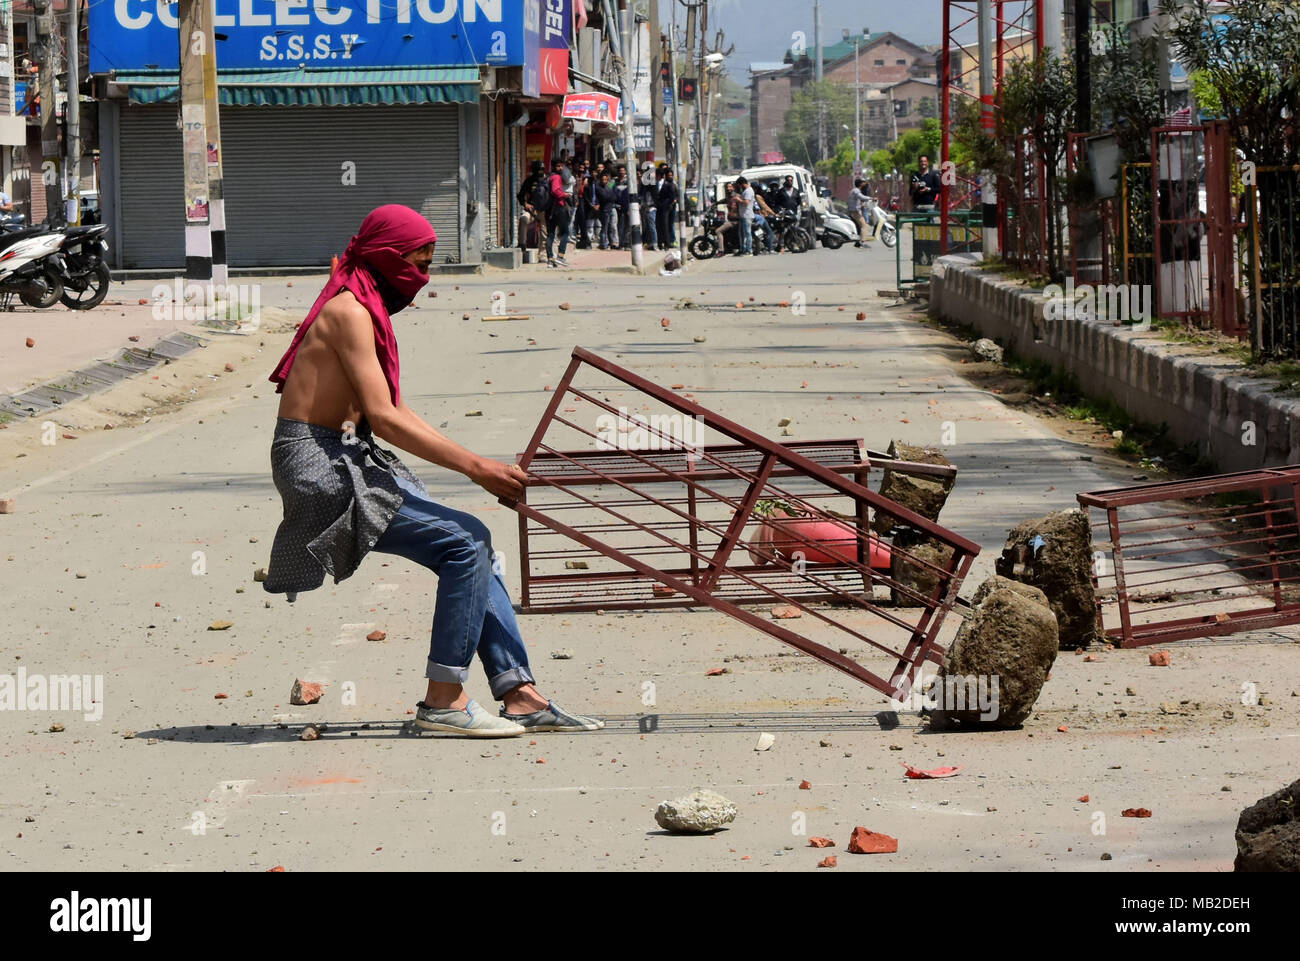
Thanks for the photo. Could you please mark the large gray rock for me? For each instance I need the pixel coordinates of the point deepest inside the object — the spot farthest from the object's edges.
(923, 495)
(699, 812)
(910, 570)
(1268, 833)
(1010, 638)
(1054, 554)
(986, 349)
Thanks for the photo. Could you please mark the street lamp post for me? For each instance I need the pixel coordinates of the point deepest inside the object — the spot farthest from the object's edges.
(857, 94)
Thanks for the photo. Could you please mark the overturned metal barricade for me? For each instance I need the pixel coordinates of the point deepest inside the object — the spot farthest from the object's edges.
(1194, 558)
(627, 508)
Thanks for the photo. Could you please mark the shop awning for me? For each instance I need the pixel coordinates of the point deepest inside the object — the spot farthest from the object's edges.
(316, 88)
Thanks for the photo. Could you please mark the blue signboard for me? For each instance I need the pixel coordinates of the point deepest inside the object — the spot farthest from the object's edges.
(284, 34)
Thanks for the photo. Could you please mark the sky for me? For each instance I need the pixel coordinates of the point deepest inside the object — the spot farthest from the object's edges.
(761, 29)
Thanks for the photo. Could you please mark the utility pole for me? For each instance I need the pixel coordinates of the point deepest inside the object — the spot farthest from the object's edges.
(1083, 65)
(988, 125)
(74, 114)
(212, 116)
(703, 141)
(51, 163)
(198, 96)
(817, 77)
(678, 140)
(1054, 26)
(693, 112)
(629, 128)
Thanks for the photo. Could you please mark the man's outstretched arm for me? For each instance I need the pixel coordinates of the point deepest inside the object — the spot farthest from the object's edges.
(352, 335)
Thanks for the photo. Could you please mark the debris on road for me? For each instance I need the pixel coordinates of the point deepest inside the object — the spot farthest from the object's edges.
(918, 775)
(309, 733)
(564, 654)
(765, 741)
(221, 625)
(805, 785)
(700, 812)
(1158, 658)
(1135, 813)
(785, 612)
(259, 575)
(30, 342)
(988, 350)
(7, 505)
(1011, 635)
(1054, 554)
(816, 842)
(829, 861)
(305, 692)
(863, 841)
(377, 635)
(1268, 833)
(715, 671)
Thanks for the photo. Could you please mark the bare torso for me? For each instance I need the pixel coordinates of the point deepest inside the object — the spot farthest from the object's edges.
(318, 390)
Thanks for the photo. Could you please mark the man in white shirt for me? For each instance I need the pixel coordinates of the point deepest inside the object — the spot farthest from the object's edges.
(745, 210)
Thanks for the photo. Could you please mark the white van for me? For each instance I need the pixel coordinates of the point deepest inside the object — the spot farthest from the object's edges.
(763, 174)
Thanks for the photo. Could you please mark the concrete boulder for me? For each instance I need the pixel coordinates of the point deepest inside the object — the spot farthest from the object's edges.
(1055, 554)
(700, 812)
(910, 570)
(1268, 833)
(923, 495)
(1009, 639)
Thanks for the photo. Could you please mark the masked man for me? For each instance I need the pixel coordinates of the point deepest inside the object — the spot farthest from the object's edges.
(344, 495)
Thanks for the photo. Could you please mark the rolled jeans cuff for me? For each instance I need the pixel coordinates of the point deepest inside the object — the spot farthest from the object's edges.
(507, 681)
(446, 674)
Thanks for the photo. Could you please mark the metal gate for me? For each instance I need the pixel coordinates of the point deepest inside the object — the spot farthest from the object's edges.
(1022, 231)
(671, 520)
(1272, 255)
(287, 202)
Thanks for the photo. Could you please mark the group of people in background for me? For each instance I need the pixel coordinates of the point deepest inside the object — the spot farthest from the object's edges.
(752, 212)
(590, 205)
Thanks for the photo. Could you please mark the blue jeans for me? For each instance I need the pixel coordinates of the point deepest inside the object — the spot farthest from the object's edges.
(746, 231)
(609, 226)
(761, 222)
(473, 612)
(649, 227)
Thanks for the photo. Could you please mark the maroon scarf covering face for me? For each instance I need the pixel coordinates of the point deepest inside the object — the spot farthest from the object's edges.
(386, 236)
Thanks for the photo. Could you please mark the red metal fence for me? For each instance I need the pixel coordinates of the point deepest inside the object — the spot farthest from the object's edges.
(627, 508)
(1194, 558)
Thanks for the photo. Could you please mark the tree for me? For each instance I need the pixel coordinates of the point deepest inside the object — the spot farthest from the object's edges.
(1039, 100)
(926, 108)
(841, 162)
(827, 103)
(1249, 53)
(1126, 92)
(904, 153)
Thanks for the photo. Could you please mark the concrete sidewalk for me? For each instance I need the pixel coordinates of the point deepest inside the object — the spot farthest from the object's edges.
(128, 544)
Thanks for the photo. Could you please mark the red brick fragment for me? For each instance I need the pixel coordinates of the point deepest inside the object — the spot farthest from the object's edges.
(306, 692)
(863, 841)
(805, 785)
(1136, 813)
(1158, 658)
(829, 861)
(376, 635)
(821, 843)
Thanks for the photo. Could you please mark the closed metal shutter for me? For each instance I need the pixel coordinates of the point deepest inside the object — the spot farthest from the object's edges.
(286, 202)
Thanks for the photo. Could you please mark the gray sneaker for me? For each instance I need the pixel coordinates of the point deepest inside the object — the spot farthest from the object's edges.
(554, 719)
(470, 721)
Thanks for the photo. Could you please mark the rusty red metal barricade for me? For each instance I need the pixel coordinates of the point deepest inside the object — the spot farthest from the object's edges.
(651, 516)
(1194, 558)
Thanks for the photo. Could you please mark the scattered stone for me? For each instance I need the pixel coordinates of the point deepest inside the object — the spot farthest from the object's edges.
(700, 339)
(821, 843)
(56, 728)
(230, 368)
(665, 322)
(986, 349)
(863, 841)
(564, 654)
(805, 785)
(1130, 692)
(765, 741)
(7, 505)
(309, 733)
(785, 612)
(305, 692)
(1054, 553)
(376, 635)
(784, 422)
(259, 575)
(576, 565)
(473, 413)
(1135, 813)
(565, 305)
(862, 315)
(128, 735)
(30, 342)
(824, 744)
(1105, 857)
(1011, 635)
(1083, 799)
(221, 625)
(700, 812)
(990, 809)
(1268, 833)
(715, 671)
(1158, 658)
(220, 697)
(829, 861)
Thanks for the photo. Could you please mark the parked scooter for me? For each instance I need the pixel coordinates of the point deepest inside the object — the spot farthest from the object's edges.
(30, 268)
(882, 224)
(84, 274)
(833, 230)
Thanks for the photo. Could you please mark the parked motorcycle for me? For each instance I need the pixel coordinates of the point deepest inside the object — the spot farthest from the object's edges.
(84, 274)
(789, 234)
(882, 224)
(29, 268)
(705, 244)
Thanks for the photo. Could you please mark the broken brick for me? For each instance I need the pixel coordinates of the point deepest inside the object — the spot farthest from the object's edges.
(306, 692)
(30, 342)
(230, 368)
(220, 697)
(805, 785)
(376, 635)
(664, 322)
(785, 612)
(1136, 813)
(7, 505)
(863, 841)
(565, 306)
(715, 671)
(278, 869)
(1083, 799)
(862, 315)
(1158, 658)
(829, 861)
(821, 843)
